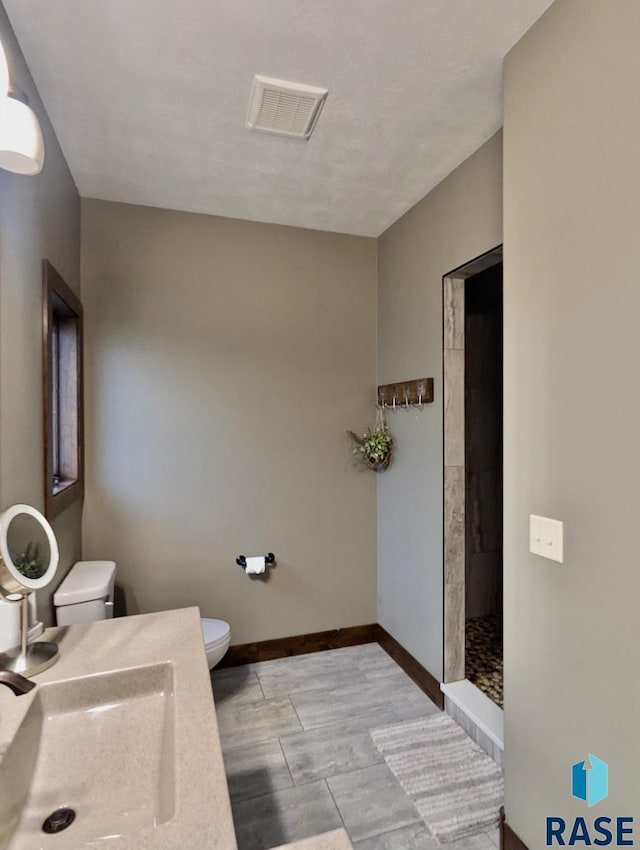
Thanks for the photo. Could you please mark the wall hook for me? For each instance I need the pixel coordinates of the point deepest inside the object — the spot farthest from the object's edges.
(406, 394)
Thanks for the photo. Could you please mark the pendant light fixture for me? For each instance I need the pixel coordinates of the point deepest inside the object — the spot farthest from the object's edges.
(21, 142)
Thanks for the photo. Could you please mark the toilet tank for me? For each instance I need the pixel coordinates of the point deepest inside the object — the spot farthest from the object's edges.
(86, 594)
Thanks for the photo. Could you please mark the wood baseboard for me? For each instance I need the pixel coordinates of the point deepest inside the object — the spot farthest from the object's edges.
(420, 675)
(508, 839)
(268, 650)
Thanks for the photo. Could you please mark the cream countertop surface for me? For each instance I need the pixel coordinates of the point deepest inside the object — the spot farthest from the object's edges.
(199, 810)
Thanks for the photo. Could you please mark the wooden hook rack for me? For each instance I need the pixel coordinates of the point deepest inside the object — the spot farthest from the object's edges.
(406, 393)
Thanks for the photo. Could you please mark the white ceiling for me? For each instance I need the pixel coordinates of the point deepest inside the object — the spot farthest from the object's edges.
(148, 99)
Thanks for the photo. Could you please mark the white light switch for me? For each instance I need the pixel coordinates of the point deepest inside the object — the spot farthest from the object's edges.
(545, 537)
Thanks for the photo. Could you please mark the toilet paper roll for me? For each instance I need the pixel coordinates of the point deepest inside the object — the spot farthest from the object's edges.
(256, 565)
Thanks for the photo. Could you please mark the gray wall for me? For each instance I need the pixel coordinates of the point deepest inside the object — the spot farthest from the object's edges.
(572, 414)
(39, 218)
(460, 219)
(225, 361)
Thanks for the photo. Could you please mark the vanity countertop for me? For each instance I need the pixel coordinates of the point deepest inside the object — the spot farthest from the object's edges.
(197, 811)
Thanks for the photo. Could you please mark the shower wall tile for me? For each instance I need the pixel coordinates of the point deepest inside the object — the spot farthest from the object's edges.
(454, 407)
(453, 313)
(454, 524)
(483, 505)
(484, 583)
(454, 640)
(454, 477)
(483, 461)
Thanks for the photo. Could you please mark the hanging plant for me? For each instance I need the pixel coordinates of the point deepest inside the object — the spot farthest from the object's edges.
(374, 447)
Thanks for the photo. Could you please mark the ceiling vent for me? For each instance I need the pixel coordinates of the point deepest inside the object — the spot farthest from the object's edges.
(284, 109)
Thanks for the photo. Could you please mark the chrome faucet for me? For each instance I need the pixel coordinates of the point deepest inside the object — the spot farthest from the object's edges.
(17, 683)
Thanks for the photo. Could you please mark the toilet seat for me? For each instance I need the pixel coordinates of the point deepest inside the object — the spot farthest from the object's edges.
(216, 635)
(214, 632)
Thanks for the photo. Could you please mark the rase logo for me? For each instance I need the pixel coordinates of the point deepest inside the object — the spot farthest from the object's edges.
(590, 780)
(590, 783)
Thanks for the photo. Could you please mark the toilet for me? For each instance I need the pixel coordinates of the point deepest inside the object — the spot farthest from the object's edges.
(86, 594)
(217, 636)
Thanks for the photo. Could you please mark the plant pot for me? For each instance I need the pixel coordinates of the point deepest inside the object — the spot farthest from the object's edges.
(375, 464)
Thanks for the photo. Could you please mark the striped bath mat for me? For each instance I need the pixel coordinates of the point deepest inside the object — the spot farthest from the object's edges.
(456, 787)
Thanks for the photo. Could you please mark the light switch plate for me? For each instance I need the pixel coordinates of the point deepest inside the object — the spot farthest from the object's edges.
(546, 538)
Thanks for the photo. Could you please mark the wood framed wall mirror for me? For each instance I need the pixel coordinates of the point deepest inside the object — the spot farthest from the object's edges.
(62, 393)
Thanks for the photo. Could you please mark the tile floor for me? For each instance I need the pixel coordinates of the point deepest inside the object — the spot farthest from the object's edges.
(299, 758)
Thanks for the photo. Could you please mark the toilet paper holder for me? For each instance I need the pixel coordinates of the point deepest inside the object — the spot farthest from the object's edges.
(269, 559)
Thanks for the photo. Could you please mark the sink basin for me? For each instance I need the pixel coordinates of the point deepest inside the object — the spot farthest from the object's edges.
(102, 745)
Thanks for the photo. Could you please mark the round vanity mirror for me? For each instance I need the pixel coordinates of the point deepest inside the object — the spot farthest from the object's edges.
(28, 561)
(28, 549)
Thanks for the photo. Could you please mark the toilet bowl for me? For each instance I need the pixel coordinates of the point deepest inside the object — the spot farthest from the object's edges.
(217, 636)
(86, 594)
